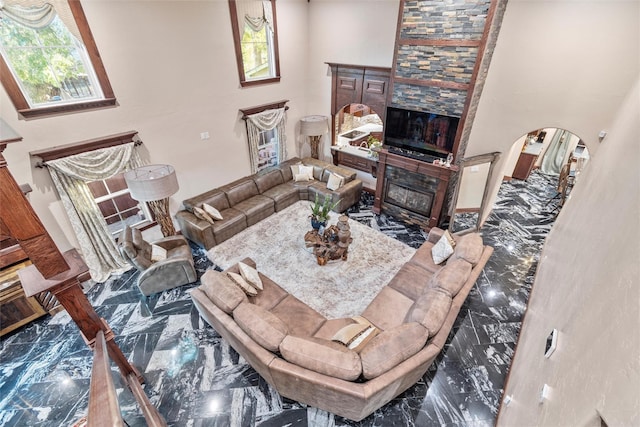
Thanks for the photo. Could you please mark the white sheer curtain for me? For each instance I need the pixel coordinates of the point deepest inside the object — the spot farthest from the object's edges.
(261, 122)
(70, 176)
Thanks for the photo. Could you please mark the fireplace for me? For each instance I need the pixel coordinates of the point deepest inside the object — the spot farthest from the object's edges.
(410, 189)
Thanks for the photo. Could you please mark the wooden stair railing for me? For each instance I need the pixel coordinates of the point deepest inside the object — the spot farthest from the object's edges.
(103, 401)
(104, 410)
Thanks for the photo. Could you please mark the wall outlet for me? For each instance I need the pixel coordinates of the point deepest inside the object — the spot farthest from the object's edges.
(475, 168)
(204, 135)
(507, 400)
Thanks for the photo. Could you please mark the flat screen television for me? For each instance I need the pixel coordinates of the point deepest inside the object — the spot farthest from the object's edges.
(420, 132)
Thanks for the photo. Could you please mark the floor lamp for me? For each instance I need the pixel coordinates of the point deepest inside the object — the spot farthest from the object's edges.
(314, 127)
(154, 184)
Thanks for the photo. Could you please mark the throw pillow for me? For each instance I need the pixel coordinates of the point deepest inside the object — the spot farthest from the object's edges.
(242, 284)
(443, 249)
(308, 170)
(213, 212)
(158, 253)
(300, 177)
(335, 181)
(251, 275)
(295, 169)
(355, 336)
(201, 214)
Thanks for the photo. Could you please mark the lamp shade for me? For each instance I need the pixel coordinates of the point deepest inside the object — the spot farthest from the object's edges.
(152, 182)
(314, 125)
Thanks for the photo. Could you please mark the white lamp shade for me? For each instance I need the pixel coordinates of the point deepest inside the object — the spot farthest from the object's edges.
(152, 182)
(314, 125)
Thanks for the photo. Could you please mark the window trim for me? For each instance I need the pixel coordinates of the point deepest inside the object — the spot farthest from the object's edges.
(22, 105)
(235, 28)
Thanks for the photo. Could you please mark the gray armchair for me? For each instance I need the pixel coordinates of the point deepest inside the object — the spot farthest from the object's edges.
(176, 270)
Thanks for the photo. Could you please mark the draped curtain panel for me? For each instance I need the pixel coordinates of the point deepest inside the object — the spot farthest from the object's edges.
(264, 121)
(70, 176)
(554, 156)
(255, 14)
(36, 15)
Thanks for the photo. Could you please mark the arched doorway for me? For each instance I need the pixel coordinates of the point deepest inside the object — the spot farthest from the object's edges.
(558, 155)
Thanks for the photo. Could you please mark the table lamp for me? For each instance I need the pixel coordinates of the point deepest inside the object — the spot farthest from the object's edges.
(154, 184)
(314, 127)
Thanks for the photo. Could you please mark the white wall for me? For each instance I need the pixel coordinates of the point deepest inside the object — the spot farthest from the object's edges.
(587, 287)
(172, 67)
(360, 32)
(566, 64)
(173, 70)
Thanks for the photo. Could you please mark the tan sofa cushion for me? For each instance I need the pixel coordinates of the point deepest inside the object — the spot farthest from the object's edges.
(301, 319)
(424, 258)
(322, 356)
(331, 326)
(262, 326)
(431, 310)
(411, 280)
(268, 179)
(225, 294)
(388, 309)
(451, 277)
(391, 348)
(469, 248)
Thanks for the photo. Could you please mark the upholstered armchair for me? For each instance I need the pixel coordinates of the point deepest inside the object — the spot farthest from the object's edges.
(175, 270)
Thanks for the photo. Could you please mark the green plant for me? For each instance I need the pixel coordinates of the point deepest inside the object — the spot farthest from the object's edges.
(320, 211)
(373, 142)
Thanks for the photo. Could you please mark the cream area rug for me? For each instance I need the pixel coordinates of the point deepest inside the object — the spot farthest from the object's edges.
(338, 289)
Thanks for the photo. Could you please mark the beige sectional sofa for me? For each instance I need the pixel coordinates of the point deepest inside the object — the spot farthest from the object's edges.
(290, 345)
(248, 200)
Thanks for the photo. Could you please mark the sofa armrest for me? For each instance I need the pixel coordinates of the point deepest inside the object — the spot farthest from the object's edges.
(434, 235)
(348, 194)
(195, 229)
(171, 242)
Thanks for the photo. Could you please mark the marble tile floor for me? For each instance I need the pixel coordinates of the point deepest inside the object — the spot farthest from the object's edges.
(196, 379)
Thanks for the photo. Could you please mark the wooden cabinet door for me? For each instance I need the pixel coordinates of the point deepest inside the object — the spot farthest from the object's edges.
(348, 87)
(374, 91)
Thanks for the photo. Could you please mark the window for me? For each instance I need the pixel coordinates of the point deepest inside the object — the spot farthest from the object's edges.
(255, 37)
(116, 204)
(257, 54)
(50, 63)
(268, 149)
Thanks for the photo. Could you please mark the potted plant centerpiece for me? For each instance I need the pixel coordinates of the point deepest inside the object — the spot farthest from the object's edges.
(320, 211)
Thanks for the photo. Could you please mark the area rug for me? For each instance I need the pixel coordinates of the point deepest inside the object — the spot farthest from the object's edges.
(338, 289)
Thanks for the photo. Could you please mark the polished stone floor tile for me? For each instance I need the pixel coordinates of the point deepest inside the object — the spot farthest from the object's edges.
(196, 379)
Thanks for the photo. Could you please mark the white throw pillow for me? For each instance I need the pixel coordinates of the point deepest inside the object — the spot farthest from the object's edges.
(443, 249)
(301, 177)
(335, 181)
(295, 169)
(158, 253)
(308, 170)
(246, 288)
(201, 214)
(251, 275)
(213, 212)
